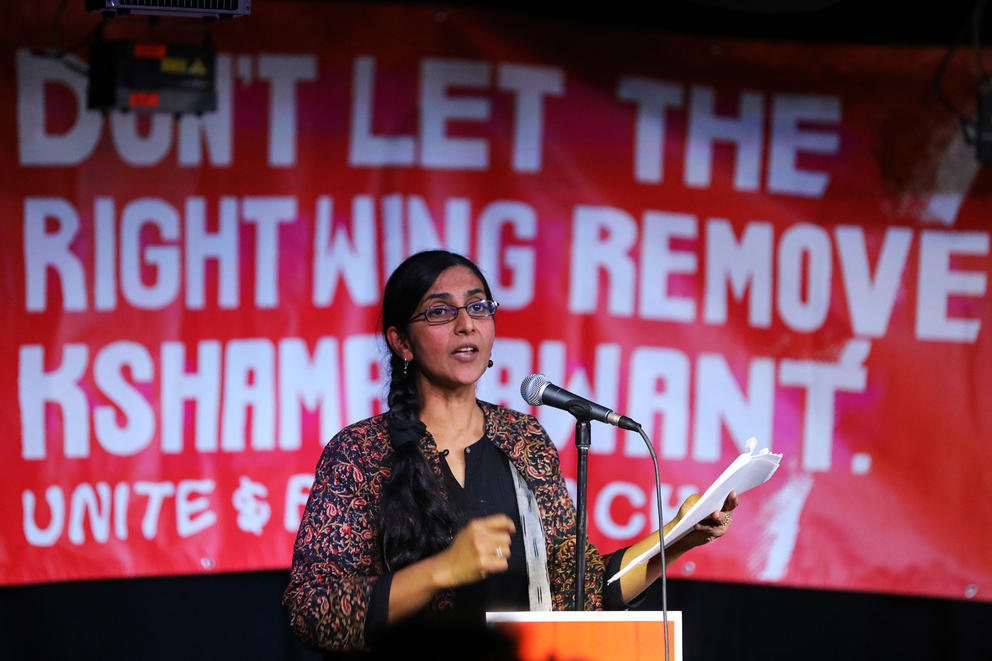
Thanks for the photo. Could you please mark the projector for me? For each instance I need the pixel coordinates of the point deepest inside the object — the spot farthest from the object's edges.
(151, 77)
(209, 9)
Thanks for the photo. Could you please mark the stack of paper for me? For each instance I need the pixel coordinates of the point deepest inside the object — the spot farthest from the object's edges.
(746, 472)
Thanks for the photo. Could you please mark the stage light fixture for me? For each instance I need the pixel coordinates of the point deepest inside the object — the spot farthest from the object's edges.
(208, 9)
(152, 77)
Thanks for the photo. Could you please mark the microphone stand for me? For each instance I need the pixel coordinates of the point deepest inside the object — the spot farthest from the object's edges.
(582, 442)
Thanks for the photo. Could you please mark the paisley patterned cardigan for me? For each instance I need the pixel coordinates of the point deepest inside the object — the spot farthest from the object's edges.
(338, 557)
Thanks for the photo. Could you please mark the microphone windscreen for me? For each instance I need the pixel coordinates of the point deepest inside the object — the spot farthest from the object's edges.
(531, 387)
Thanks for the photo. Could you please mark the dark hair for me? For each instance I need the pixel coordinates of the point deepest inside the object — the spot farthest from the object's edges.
(415, 521)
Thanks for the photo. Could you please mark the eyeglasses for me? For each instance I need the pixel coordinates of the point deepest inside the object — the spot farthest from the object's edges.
(442, 314)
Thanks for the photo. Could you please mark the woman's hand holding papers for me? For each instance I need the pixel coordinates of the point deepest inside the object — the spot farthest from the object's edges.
(638, 577)
(710, 528)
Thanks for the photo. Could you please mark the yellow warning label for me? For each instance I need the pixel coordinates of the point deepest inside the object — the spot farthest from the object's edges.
(197, 68)
(174, 65)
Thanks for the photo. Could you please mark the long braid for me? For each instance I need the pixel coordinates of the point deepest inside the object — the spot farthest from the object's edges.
(417, 521)
(403, 399)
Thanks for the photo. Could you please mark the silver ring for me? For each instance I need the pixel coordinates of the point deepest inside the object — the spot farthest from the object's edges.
(499, 552)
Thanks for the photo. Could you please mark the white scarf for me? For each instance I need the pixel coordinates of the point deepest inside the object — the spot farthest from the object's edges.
(538, 585)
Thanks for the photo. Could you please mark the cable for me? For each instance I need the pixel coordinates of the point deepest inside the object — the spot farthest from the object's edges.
(976, 39)
(57, 25)
(969, 125)
(57, 52)
(661, 535)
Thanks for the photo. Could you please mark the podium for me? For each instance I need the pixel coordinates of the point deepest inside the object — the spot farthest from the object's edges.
(591, 635)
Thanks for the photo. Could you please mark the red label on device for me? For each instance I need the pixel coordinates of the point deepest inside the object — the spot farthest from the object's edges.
(156, 51)
(143, 99)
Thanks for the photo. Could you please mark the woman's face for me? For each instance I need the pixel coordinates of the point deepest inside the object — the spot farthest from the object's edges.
(455, 354)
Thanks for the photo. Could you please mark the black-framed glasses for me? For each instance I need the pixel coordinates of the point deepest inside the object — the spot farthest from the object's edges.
(442, 314)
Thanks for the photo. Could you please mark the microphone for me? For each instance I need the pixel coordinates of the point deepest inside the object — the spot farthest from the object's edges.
(537, 390)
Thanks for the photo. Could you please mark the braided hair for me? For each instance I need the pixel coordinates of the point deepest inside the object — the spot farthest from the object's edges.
(414, 520)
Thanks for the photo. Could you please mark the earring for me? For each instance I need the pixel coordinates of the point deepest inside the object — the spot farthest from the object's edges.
(490, 363)
(406, 365)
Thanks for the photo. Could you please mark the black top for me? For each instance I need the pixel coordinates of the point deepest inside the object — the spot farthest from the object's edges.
(489, 490)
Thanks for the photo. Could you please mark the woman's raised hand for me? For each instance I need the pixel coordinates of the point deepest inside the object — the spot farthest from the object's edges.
(482, 547)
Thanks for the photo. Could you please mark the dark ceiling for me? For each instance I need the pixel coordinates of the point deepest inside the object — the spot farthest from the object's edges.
(844, 21)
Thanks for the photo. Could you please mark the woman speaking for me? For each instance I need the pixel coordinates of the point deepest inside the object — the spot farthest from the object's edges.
(444, 504)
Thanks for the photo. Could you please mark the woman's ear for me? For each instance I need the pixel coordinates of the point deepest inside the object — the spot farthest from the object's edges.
(399, 343)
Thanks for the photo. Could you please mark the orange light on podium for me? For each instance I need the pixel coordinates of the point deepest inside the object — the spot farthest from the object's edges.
(591, 636)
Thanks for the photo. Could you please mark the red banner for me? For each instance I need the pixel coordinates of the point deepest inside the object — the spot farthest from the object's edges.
(720, 239)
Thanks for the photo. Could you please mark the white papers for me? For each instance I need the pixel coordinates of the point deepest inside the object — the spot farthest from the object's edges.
(745, 472)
